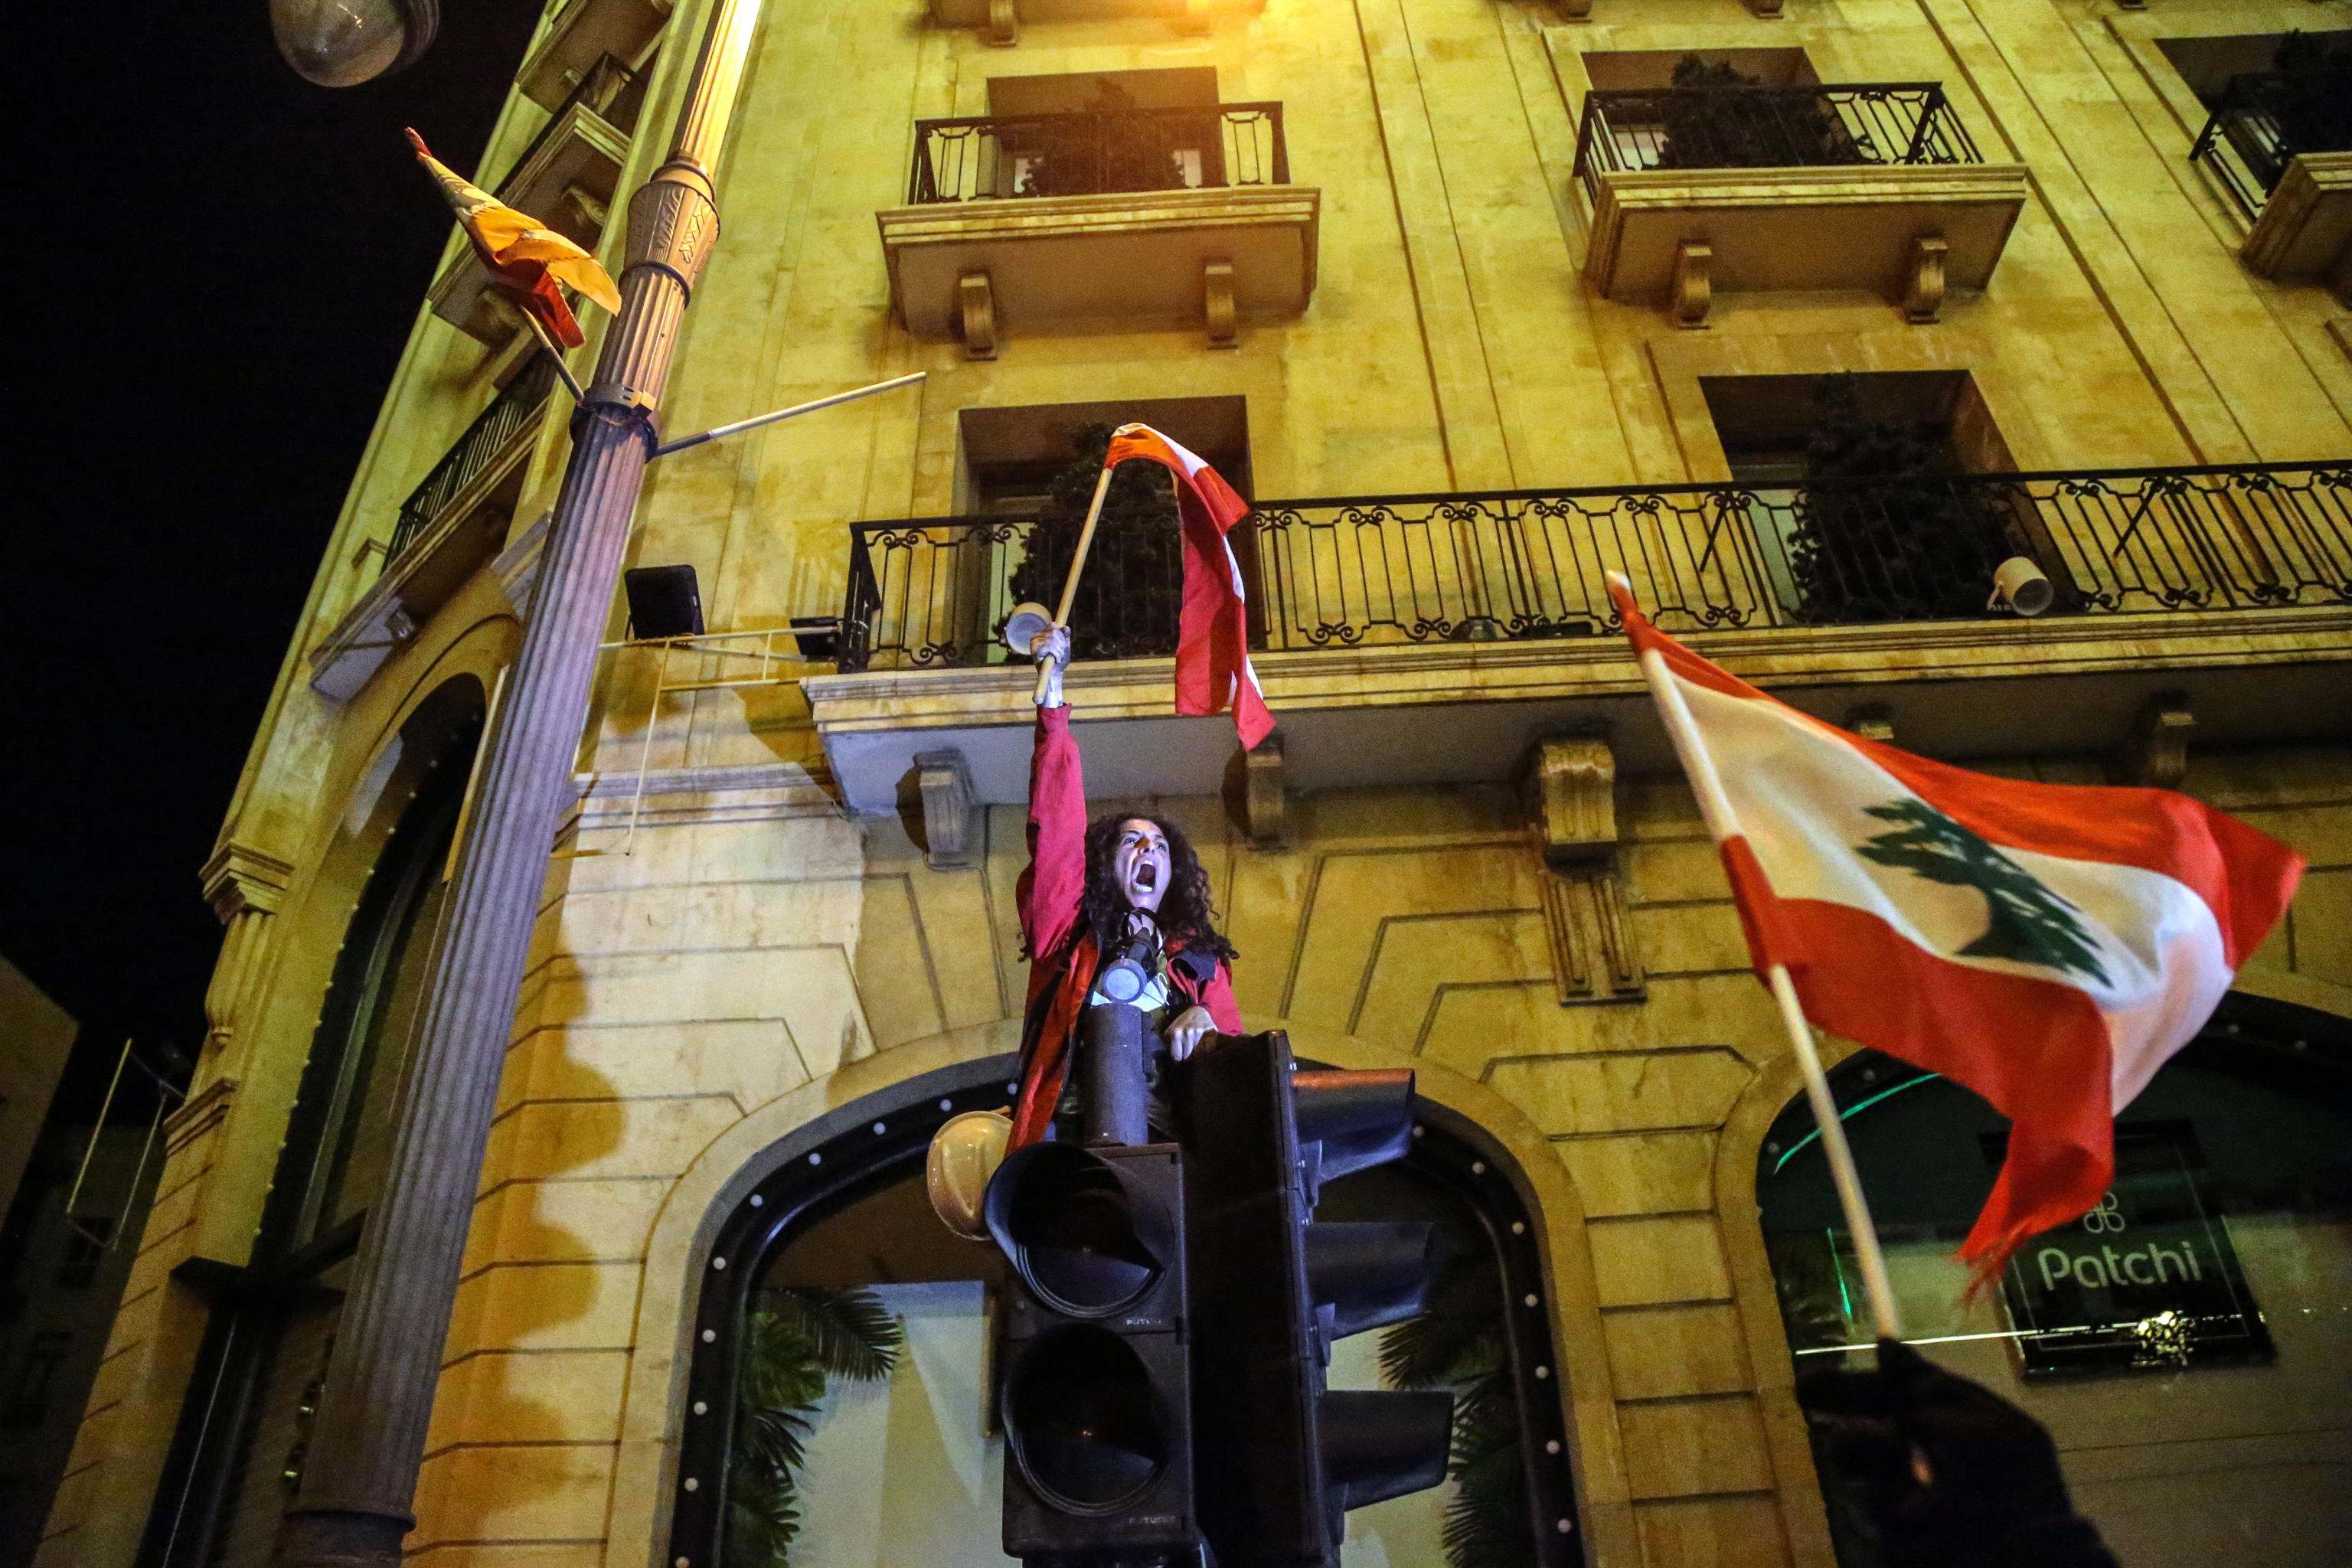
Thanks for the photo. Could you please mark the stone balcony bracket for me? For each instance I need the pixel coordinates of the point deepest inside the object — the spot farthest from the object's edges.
(1906, 232)
(951, 822)
(1568, 791)
(2155, 754)
(1210, 259)
(1265, 799)
(2305, 232)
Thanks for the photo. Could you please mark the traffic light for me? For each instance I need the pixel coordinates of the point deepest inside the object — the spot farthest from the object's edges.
(1280, 1458)
(1097, 1405)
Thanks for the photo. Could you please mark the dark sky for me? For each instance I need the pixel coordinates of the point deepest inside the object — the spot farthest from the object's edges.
(219, 263)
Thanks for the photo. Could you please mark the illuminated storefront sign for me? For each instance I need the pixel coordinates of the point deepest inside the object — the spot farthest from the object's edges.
(2147, 1279)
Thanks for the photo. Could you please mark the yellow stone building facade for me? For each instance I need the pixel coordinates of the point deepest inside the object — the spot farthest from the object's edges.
(786, 889)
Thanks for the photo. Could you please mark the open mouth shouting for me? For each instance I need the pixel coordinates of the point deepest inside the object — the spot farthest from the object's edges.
(1142, 862)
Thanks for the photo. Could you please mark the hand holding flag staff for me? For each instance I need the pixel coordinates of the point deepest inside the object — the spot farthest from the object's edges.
(527, 261)
(2048, 946)
(1213, 662)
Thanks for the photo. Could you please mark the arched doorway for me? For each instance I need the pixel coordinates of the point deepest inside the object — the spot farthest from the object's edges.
(798, 1446)
(238, 1452)
(2189, 1344)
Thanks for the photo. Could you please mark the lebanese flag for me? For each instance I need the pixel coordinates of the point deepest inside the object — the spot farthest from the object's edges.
(2048, 946)
(526, 259)
(1213, 662)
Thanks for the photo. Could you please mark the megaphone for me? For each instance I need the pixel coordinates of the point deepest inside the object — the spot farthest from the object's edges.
(1026, 625)
(2020, 584)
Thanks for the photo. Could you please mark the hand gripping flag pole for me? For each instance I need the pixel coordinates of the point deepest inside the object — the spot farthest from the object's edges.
(1078, 564)
(1214, 674)
(1723, 826)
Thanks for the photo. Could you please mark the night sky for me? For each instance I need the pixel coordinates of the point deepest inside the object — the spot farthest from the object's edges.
(219, 264)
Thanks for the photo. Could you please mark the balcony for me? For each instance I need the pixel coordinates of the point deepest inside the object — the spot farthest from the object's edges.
(1871, 187)
(1487, 616)
(449, 525)
(1180, 215)
(566, 178)
(2280, 147)
(582, 33)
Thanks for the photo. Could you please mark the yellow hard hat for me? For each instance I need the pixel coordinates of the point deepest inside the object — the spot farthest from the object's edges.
(964, 1154)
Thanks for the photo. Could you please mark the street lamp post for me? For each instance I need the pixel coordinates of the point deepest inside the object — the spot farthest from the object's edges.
(359, 1474)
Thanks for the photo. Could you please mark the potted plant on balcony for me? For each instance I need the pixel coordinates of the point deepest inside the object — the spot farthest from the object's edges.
(1719, 117)
(1133, 589)
(1883, 531)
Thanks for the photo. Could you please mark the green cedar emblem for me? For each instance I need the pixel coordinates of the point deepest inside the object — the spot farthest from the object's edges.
(2030, 923)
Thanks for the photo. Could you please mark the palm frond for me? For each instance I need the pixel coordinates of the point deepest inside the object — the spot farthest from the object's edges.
(849, 1333)
(795, 1340)
(762, 1516)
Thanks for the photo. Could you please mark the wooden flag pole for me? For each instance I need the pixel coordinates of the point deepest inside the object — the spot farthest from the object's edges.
(1078, 564)
(1722, 823)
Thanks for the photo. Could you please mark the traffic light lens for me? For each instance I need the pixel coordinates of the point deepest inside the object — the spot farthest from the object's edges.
(1082, 1246)
(1084, 1422)
(1067, 1225)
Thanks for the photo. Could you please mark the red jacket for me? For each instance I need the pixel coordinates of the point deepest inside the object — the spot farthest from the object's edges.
(1061, 955)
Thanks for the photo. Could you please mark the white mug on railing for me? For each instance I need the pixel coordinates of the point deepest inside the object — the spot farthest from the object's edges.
(2019, 584)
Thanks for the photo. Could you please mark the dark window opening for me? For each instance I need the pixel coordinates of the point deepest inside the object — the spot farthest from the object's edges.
(1041, 462)
(1863, 510)
(848, 1317)
(86, 1246)
(27, 1403)
(2208, 65)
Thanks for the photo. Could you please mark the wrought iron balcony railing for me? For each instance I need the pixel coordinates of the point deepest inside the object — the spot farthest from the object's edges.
(1352, 572)
(516, 409)
(2264, 119)
(611, 90)
(1003, 156)
(1769, 127)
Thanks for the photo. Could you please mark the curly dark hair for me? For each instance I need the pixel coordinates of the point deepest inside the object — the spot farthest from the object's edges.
(1187, 912)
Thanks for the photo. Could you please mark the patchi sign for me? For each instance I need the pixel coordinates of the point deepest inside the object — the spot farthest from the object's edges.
(2147, 1280)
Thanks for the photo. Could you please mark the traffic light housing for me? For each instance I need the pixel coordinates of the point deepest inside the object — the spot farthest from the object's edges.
(1278, 1458)
(1095, 1400)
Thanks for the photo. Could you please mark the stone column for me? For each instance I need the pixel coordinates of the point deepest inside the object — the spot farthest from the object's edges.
(359, 1474)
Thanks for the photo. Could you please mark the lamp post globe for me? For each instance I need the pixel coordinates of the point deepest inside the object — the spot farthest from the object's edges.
(341, 43)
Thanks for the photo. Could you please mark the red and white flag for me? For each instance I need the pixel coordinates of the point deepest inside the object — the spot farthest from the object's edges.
(2048, 946)
(1213, 662)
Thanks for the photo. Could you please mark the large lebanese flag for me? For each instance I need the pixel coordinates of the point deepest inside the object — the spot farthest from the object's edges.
(2048, 946)
(1213, 662)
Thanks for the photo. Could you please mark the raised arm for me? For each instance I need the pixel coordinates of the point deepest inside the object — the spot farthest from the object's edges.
(1057, 877)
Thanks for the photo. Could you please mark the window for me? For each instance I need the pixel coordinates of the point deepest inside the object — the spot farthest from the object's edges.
(28, 1402)
(1041, 462)
(1640, 129)
(344, 1119)
(906, 1465)
(1107, 131)
(87, 1236)
(2189, 1343)
(1862, 510)
(2207, 65)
